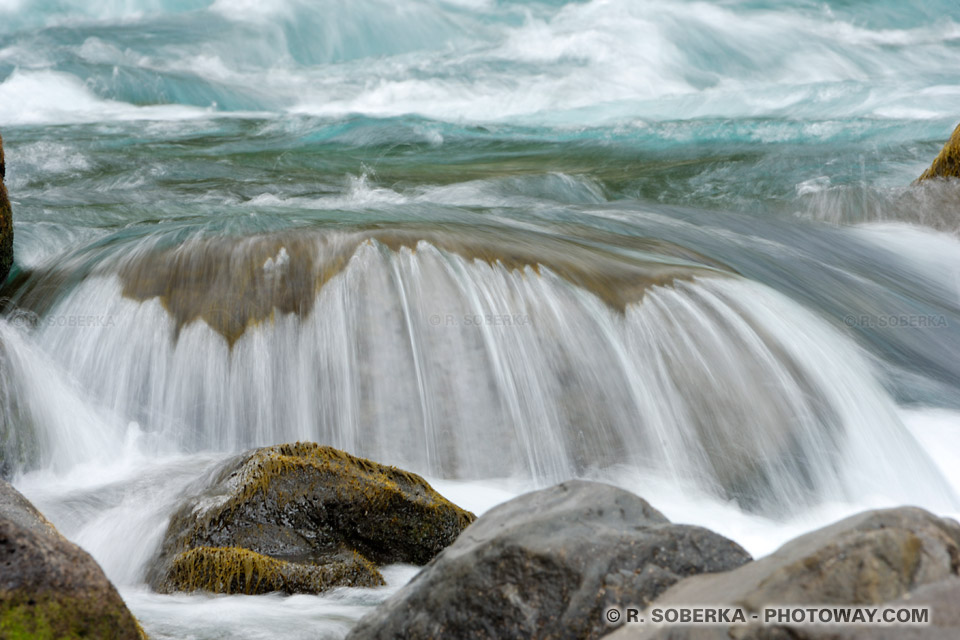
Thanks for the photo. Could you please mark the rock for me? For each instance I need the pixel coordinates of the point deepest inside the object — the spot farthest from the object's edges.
(235, 570)
(867, 559)
(6, 223)
(49, 587)
(547, 565)
(942, 599)
(947, 164)
(234, 286)
(301, 518)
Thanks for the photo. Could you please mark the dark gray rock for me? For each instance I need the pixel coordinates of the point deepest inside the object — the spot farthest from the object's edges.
(301, 518)
(547, 565)
(49, 587)
(868, 559)
(6, 223)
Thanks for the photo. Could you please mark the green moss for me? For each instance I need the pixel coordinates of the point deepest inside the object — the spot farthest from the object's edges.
(24, 622)
(427, 516)
(947, 163)
(377, 483)
(236, 570)
(61, 617)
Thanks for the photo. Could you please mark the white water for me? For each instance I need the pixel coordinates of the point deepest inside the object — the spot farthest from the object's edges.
(672, 400)
(117, 511)
(477, 60)
(464, 370)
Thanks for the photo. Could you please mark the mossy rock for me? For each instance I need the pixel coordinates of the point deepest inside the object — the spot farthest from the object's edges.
(6, 223)
(235, 570)
(49, 587)
(302, 518)
(947, 164)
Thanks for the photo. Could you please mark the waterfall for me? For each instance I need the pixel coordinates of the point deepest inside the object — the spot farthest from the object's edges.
(467, 369)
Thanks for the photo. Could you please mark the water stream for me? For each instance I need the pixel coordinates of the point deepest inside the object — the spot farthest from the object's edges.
(671, 246)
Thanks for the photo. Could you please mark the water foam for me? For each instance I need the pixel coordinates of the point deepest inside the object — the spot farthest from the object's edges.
(571, 62)
(42, 97)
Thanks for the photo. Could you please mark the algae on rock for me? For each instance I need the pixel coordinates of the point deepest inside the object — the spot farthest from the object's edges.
(235, 570)
(302, 518)
(49, 587)
(947, 163)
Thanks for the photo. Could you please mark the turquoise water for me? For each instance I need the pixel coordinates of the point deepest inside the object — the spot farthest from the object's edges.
(672, 245)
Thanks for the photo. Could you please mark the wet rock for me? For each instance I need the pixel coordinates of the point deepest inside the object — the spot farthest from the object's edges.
(547, 565)
(942, 600)
(947, 164)
(302, 518)
(6, 223)
(235, 570)
(49, 587)
(233, 285)
(867, 559)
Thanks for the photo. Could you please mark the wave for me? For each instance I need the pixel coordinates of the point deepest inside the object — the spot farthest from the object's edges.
(562, 62)
(44, 97)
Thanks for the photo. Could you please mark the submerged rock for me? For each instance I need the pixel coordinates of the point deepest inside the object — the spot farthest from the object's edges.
(233, 285)
(548, 565)
(49, 587)
(947, 163)
(6, 223)
(302, 518)
(867, 559)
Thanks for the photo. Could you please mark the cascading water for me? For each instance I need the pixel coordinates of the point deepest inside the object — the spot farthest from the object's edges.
(667, 245)
(463, 369)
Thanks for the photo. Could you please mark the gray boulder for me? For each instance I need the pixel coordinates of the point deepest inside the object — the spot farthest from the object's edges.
(49, 587)
(868, 559)
(547, 565)
(941, 598)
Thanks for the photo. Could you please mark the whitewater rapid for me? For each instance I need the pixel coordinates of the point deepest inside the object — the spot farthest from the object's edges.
(570, 63)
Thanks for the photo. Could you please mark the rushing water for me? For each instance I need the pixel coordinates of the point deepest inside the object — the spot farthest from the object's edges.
(669, 245)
